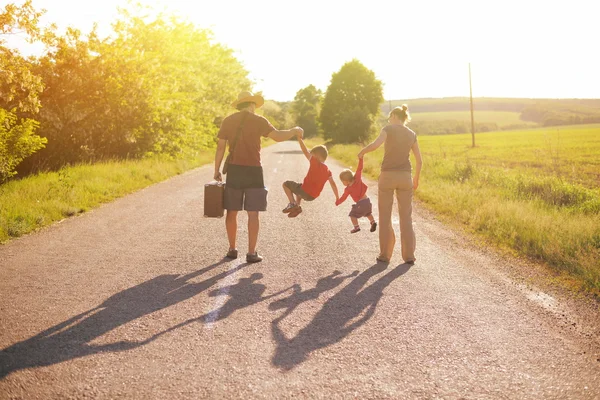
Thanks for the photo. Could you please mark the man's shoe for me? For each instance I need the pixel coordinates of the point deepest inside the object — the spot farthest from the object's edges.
(232, 253)
(253, 258)
(410, 262)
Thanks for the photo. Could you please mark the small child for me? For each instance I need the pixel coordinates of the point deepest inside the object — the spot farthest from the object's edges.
(313, 183)
(357, 189)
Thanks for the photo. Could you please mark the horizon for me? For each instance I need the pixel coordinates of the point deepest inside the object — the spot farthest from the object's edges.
(426, 57)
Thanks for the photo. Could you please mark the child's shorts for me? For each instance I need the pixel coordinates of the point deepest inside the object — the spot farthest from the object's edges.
(296, 188)
(363, 208)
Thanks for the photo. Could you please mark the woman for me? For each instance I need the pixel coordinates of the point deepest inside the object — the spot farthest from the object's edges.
(245, 188)
(395, 178)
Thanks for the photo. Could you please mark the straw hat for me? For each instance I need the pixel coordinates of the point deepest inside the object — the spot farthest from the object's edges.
(247, 97)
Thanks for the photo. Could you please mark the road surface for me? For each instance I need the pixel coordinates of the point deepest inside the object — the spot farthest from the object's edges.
(134, 300)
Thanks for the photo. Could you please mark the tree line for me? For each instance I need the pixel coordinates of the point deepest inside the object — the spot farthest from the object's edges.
(157, 85)
(153, 86)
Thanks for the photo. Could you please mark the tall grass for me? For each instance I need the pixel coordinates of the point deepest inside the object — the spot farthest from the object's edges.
(39, 200)
(493, 191)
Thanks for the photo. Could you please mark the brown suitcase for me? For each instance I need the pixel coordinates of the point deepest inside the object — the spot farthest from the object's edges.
(213, 199)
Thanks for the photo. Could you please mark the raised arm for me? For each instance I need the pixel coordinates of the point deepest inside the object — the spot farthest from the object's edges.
(221, 145)
(280, 136)
(374, 145)
(359, 169)
(334, 188)
(304, 149)
(419, 160)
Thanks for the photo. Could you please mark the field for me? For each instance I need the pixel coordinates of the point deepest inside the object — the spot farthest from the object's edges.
(501, 118)
(535, 192)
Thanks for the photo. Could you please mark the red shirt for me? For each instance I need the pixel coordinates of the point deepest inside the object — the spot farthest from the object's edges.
(315, 179)
(357, 189)
(247, 148)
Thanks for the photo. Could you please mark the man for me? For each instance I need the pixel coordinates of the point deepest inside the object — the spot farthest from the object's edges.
(245, 188)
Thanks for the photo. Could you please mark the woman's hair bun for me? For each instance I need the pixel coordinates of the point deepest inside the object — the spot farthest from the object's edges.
(404, 107)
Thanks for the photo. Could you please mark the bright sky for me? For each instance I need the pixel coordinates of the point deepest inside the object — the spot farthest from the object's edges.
(418, 48)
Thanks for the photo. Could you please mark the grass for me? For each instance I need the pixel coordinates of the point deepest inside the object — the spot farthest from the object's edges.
(39, 200)
(535, 192)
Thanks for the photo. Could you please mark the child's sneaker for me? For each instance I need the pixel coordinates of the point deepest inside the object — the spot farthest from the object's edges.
(373, 226)
(356, 229)
(289, 208)
(295, 212)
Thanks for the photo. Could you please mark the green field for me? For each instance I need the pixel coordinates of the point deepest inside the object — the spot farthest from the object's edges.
(535, 192)
(501, 118)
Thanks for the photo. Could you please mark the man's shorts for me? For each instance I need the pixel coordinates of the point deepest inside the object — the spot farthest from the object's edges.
(363, 208)
(296, 188)
(244, 189)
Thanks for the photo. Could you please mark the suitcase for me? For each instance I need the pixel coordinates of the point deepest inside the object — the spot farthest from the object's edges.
(213, 199)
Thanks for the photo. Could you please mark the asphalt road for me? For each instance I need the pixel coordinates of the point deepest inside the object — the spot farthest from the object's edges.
(134, 300)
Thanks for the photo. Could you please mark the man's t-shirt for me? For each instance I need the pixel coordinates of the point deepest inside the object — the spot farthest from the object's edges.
(247, 148)
(315, 179)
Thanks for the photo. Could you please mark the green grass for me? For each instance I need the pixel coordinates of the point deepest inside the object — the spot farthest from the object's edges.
(39, 200)
(501, 118)
(535, 192)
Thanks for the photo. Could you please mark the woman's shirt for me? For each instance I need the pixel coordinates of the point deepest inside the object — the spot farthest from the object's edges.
(398, 143)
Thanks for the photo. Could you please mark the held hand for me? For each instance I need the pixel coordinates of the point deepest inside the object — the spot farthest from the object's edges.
(218, 176)
(299, 132)
(361, 154)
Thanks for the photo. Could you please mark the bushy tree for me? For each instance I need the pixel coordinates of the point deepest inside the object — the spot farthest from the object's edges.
(17, 142)
(19, 87)
(351, 104)
(306, 107)
(153, 87)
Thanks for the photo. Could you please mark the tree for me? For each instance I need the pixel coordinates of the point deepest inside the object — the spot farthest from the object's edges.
(306, 107)
(19, 87)
(351, 104)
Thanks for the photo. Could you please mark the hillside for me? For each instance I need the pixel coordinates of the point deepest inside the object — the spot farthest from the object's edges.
(435, 116)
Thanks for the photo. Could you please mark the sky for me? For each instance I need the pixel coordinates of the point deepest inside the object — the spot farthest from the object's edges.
(417, 48)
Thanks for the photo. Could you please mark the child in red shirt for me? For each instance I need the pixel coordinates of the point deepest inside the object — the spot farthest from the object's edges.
(313, 183)
(357, 189)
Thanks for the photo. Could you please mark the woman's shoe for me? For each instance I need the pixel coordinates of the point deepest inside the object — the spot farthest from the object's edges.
(253, 258)
(382, 260)
(232, 253)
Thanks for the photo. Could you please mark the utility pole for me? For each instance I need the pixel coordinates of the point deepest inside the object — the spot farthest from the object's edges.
(472, 116)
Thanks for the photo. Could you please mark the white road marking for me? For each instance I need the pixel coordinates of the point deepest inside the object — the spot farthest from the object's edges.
(222, 295)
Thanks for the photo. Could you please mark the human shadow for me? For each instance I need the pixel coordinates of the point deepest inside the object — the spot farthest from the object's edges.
(346, 311)
(72, 338)
(299, 296)
(247, 292)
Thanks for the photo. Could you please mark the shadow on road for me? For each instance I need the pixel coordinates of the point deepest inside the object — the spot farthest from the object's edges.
(71, 339)
(347, 310)
(243, 294)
